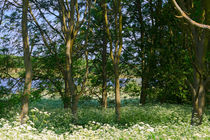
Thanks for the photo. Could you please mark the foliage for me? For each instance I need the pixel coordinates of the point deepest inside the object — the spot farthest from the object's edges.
(132, 87)
(156, 48)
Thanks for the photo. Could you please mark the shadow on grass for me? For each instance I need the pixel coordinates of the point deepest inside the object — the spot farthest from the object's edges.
(51, 115)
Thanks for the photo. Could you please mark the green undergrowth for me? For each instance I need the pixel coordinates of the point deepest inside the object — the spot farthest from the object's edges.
(48, 120)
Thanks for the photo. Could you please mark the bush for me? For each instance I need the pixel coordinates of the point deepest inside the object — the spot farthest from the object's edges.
(133, 88)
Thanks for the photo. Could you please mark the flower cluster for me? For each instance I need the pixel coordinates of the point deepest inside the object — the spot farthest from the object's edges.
(137, 122)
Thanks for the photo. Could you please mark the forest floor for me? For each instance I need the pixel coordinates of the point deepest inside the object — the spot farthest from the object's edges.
(49, 121)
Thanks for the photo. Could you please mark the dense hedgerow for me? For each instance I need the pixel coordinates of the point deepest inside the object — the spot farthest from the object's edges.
(47, 120)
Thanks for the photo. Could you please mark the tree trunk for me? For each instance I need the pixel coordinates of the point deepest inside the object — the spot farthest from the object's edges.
(143, 64)
(201, 44)
(118, 48)
(70, 83)
(71, 22)
(69, 90)
(104, 73)
(198, 96)
(144, 87)
(66, 98)
(66, 101)
(27, 63)
(104, 91)
(117, 91)
(146, 62)
(117, 61)
(71, 97)
(75, 100)
(198, 102)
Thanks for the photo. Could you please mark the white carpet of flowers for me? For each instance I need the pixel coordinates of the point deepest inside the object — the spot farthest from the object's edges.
(138, 123)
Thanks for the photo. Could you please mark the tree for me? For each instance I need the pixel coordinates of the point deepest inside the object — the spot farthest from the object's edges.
(118, 48)
(104, 67)
(27, 63)
(200, 45)
(70, 28)
(69, 18)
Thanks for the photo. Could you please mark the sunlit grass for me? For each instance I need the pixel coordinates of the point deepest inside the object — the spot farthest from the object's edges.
(48, 120)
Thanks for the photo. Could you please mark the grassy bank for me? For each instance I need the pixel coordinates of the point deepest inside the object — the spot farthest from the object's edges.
(48, 120)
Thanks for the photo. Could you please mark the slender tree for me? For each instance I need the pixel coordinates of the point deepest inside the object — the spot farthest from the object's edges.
(27, 63)
(70, 27)
(117, 50)
(104, 64)
(144, 84)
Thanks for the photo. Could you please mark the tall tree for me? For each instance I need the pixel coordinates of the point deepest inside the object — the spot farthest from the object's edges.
(68, 16)
(104, 64)
(144, 84)
(27, 63)
(70, 27)
(118, 48)
(200, 46)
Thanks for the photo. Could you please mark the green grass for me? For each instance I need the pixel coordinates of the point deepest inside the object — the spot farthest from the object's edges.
(48, 120)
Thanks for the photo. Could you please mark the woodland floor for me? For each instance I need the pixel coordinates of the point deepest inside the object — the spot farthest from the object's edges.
(48, 120)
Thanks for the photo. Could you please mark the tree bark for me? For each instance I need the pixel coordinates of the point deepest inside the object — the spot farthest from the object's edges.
(144, 84)
(27, 63)
(117, 91)
(75, 100)
(198, 96)
(189, 19)
(118, 48)
(104, 64)
(147, 63)
(68, 28)
(69, 87)
(71, 94)
(116, 60)
(144, 87)
(66, 98)
(200, 48)
(198, 101)
(104, 74)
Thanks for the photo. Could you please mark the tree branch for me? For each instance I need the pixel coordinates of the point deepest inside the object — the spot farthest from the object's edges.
(191, 87)
(48, 22)
(204, 26)
(2, 11)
